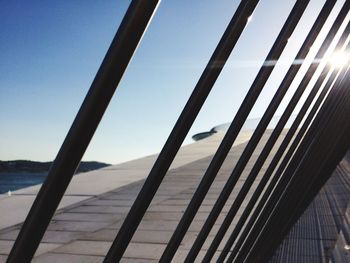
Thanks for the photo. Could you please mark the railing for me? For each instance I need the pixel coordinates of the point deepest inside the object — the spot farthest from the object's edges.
(318, 132)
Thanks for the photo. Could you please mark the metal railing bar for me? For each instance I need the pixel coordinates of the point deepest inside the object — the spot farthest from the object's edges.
(276, 193)
(277, 156)
(181, 128)
(283, 184)
(234, 129)
(315, 30)
(267, 250)
(267, 175)
(260, 162)
(309, 175)
(323, 114)
(278, 174)
(338, 98)
(224, 195)
(315, 183)
(90, 113)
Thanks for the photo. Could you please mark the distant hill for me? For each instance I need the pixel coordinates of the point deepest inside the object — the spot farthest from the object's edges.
(38, 167)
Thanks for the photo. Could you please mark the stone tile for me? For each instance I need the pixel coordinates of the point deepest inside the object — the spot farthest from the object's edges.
(112, 202)
(16, 207)
(144, 251)
(6, 245)
(9, 235)
(76, 226)
(175, 202)
(106, 234)
(161, 237)
(118, 196)
(49, 236)
(201, 216)
(115, 225)
(82, 247)
(87, 229)
(99, 248)
(137, 260)
(141, 236)
(66, 258)
(165, 208)
(100, 209)
(162, 216)
(88, 217)
(158, 225)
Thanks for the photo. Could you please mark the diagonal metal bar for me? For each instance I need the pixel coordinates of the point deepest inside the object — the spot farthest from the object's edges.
(265, 178)
(236, 125)
(78, 138)
(268, 173)
(246, 248)
(224, 195)
(265, 153)
(181, 128)
(314, 184)
(309, 174)
(266, 251)
(278, 191)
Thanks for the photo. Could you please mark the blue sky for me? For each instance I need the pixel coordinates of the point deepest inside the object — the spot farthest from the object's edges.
(51, 50)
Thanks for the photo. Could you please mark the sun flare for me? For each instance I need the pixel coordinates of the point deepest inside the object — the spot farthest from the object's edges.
(339, 59)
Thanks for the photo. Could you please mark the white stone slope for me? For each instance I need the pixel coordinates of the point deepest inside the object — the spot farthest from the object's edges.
(14, 208)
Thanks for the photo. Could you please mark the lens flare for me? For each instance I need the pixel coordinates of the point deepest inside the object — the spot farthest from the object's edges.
(339, 59)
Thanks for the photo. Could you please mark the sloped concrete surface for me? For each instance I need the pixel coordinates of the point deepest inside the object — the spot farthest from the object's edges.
(83, 232)
(87, 185)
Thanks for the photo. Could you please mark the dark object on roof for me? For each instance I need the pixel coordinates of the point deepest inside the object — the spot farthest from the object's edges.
(203, 135)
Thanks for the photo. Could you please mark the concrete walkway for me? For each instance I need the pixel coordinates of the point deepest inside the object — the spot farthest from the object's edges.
(86, 185)
(83, 232)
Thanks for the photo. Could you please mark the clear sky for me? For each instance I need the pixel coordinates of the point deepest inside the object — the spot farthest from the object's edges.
(51, 50)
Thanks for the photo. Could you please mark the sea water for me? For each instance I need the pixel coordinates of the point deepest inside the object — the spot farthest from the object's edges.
(15, 181)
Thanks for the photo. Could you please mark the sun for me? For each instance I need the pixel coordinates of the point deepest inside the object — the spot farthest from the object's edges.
(339, 59)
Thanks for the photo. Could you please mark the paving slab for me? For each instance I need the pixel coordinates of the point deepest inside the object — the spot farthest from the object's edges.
(67, 258)
(50, 236)
(83, 231)
(6, 245)
(76, 226)
(84, 186)
(85, 247)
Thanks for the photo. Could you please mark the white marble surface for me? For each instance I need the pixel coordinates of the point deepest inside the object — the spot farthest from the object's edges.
(14, 208)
